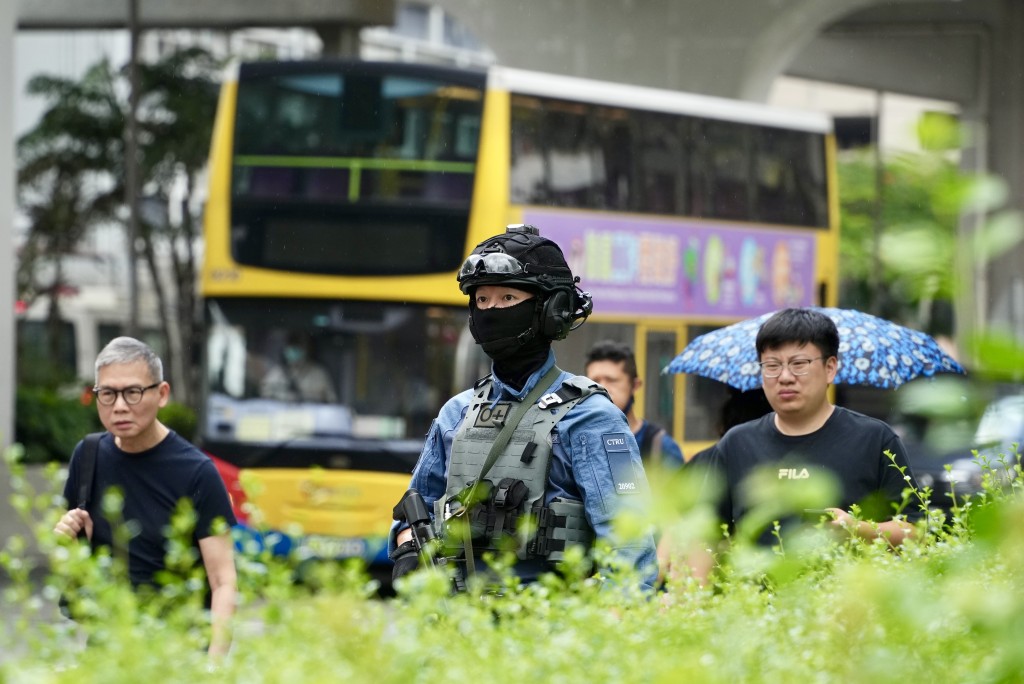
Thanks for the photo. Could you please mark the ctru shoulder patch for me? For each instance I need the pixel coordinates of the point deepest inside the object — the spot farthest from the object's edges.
(616, 448)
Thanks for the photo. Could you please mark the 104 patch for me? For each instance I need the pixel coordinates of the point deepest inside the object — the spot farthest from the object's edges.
(616, 448)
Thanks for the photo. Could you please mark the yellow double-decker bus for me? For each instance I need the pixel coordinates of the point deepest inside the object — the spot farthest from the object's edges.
(344, 196)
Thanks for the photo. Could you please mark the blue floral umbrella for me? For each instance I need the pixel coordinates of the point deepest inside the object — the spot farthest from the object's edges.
(872, 351)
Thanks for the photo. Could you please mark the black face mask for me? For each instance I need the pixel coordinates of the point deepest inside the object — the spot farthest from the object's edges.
(502, 332)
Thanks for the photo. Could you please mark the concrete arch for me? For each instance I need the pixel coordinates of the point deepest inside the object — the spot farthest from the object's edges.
(779, 42)
(656, 43)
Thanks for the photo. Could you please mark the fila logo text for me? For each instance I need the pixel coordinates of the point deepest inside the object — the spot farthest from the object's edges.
(793, 474)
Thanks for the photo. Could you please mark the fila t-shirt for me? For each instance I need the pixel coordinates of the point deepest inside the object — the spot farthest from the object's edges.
(844, 462)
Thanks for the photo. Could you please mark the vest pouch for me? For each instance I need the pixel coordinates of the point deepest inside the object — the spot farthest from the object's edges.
(492, 513)
(560, 524)
(468, 508)
(506, 513)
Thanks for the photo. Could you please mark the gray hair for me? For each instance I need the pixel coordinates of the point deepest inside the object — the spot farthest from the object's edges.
(129, 350)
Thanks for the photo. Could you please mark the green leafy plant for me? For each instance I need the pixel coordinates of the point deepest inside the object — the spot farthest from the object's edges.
(71, 178)
(904, 253)
(49, 424)
(180, 418)
(771, 615)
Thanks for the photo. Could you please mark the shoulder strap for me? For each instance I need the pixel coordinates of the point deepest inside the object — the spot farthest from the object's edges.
(576, 387)
(87, 466)
(650, 445)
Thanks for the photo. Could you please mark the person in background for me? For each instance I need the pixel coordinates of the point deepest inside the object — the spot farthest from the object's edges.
(154, 469)
(806, 440)
(739, 407)
(612, 365)
(529, 441)
(298, 377)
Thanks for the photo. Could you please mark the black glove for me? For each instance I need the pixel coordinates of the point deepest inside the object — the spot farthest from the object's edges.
(406, 559)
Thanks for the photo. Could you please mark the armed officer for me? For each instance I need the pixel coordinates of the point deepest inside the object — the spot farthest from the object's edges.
(529, 442)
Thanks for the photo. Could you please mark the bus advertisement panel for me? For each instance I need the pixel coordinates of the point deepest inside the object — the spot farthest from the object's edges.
(647, 268)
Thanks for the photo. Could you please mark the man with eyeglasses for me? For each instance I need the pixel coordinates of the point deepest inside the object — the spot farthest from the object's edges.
(154, 468)
(531, 460)
(808, 443)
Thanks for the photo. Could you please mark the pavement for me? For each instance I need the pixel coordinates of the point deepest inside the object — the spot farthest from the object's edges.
(11, 523)
(21, 623)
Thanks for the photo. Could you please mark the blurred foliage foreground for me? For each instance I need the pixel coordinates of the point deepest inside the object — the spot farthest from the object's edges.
(948, 606)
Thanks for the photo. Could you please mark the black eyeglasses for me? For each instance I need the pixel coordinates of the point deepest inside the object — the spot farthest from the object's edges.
(107, 396)
(773, 369)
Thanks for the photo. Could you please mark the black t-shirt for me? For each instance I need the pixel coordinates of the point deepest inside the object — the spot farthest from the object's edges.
(152, 482)
(847, 453)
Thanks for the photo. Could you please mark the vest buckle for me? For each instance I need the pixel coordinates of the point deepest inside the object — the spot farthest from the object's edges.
(549, 399)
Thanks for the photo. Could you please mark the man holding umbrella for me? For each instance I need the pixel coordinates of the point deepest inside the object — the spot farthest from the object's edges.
(807, 440)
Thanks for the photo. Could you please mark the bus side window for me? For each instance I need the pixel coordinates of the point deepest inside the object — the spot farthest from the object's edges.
(615, 138)
(730, 187)
(527, 175)
(661, 180)
(575, 163)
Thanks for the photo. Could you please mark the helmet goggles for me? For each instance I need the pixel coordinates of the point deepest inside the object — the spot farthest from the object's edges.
(518, 258)
(492, 263)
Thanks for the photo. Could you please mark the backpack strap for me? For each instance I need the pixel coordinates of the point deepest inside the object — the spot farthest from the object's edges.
(87, 467)
(650, 444)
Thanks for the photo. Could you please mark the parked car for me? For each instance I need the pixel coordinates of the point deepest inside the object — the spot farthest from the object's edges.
(997, 439)
(1000, 433)
(962, 478)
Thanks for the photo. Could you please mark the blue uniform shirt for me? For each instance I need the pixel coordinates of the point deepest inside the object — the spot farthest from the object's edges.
(580, 466)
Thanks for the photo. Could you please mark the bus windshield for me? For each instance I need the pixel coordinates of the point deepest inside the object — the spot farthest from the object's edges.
(335, 164)
(322, 371)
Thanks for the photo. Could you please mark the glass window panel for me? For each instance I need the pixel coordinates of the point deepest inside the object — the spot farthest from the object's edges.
(727, 156)
(311, 369)
(662, 150)
(573, 157)
(659, 390)
(704, 399)
(335, 168)
(352, 243)
(528, 174)
(413, 20)
(613, 136)
(458, 34)
(790, 178)
(350, 116)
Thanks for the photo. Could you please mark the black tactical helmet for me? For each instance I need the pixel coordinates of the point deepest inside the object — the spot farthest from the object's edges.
(536, 263)
(521, 258)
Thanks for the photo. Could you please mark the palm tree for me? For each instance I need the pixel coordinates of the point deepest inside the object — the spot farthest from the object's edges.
(66, 177)
(71, 178)
(179, 100)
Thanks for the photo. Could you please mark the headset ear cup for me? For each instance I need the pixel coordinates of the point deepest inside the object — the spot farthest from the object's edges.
(583, 305)
(556, 318)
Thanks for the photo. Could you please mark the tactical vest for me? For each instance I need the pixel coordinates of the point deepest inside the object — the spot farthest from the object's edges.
(505, 509)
